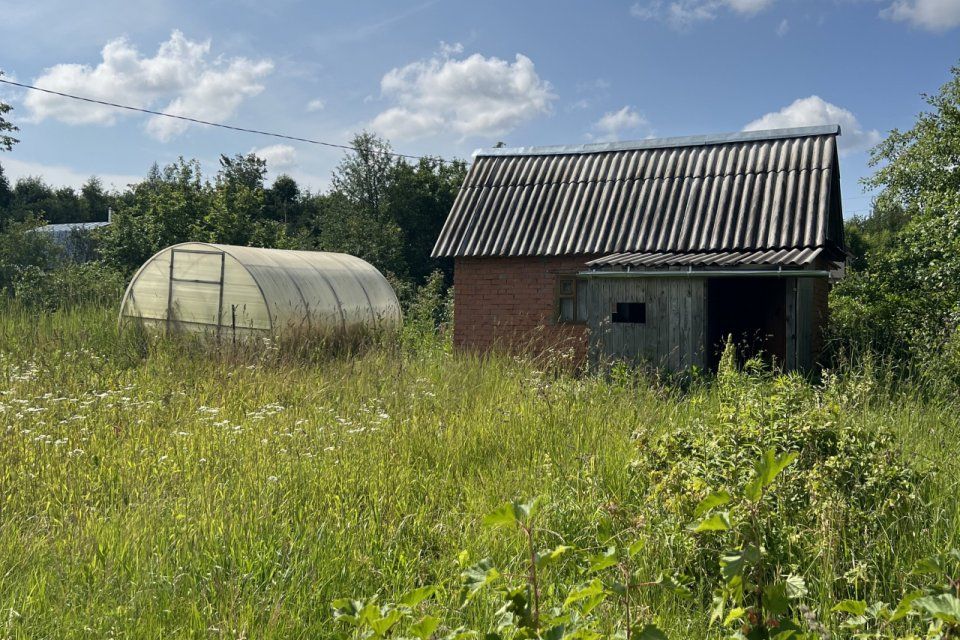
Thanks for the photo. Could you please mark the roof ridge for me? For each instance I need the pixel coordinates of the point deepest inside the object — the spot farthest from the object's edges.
(663, 143)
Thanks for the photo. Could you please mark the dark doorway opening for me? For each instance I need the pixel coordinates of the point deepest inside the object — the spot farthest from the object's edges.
(750, 310)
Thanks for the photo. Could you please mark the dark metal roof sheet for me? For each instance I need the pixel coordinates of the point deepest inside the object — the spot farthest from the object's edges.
(741, 192)
(779, 257)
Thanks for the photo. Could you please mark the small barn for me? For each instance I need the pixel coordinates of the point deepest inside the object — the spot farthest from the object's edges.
(652, 251)
(242, 291)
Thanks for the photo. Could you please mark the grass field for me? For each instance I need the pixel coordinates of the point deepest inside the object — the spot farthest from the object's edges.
(154, 490)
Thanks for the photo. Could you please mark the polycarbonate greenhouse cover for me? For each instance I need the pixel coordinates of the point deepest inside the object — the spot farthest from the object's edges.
(198, 285)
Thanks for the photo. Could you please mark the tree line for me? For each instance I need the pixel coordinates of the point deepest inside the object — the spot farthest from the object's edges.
(381, 208)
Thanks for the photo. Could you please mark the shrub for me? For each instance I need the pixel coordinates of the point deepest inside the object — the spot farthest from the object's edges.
(22, 248)
(847, 496)
(430, 311)
(68, 286)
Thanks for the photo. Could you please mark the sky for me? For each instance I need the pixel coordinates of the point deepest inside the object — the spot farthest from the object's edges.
(445, 77)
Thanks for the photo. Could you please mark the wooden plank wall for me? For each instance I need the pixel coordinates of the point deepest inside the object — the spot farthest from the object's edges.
(800, 309)
(675, 333)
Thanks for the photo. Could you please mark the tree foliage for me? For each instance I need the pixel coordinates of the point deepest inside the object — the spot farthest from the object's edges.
(6, 127)
(903, 297)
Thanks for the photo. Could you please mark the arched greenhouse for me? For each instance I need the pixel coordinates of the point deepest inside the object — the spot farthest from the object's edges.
(237, 291)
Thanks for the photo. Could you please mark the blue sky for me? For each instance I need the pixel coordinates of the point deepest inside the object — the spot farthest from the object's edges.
(445, 77)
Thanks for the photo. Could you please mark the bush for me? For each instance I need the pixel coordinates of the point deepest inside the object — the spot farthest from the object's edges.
(22, 248)
(848, 499)
(429, 312)
(69, 286)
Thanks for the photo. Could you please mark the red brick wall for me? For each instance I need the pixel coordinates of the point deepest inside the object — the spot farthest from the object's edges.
(510, 303)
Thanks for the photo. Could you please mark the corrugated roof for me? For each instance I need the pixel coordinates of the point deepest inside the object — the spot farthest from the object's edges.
(780, 257)
(748, 192)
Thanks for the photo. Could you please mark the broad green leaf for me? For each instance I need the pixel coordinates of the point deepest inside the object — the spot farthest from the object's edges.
(733, 563)
(717, 607)
(425, 627)
(717, 522)
(347, 610)
(779, 464)
(943, 606)
(754, 489)
(879, 611)
(712, 501)
(549, 556)
(601, 561)
(766, 471)
(416, 596)
(853, 607)
(635, 548)
(381, 625)
(526, 510)
(905, 606)
(775, 599)
(733, 615)
(592, 588)
(477, 577)
(503, 516)
(796, 586)
(370, 612)
(556, 632)
(676, 584)
(649, 632)
(931, 565)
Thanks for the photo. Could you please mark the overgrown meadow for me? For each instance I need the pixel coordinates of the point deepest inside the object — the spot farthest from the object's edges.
(155, 488)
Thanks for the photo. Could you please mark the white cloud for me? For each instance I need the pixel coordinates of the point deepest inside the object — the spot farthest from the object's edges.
(783, 28)
(278, 156)
(62, 176)
(816, 111)
(681, 14)
(933, 15)
(316, 105)
(180, 79)
(475, 96)
(613, 124)
(450, 49)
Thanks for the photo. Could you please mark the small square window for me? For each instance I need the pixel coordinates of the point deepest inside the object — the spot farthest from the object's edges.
(630, 313)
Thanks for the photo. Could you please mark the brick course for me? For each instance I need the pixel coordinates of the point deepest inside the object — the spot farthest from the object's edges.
(510, 303)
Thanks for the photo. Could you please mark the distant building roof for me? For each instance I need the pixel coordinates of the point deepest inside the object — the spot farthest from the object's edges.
(67, 227)
(741, 193)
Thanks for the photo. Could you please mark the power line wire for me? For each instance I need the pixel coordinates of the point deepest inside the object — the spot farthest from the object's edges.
(211, 124)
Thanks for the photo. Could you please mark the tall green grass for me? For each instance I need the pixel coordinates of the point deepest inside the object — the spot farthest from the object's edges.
(154, 488)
